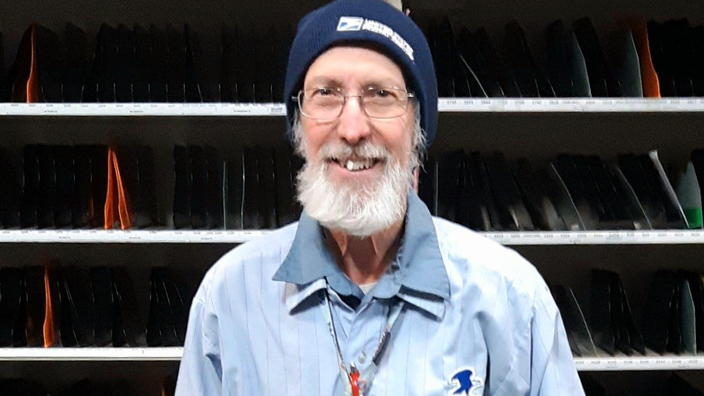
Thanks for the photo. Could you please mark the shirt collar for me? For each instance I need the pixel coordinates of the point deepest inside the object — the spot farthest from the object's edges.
(421, 278)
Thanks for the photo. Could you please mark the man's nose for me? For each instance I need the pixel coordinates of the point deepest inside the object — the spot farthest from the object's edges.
(354, 122)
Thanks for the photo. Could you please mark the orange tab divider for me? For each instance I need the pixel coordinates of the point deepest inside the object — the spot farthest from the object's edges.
(117, 202)
(33, 80)
(124, 206)
(649, 77)
(51, 332)
(110, 214)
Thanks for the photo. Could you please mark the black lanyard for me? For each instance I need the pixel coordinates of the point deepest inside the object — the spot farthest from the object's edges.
(354, 382)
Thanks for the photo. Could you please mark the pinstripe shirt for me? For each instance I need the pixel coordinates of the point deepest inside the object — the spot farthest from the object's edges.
(478, 319)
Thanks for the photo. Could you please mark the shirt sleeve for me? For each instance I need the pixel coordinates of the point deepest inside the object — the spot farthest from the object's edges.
(200, 373)
(553, 372)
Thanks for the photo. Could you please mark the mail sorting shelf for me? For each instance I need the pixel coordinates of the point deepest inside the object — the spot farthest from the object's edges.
(445, 105)
(651, 237)
(649, 362)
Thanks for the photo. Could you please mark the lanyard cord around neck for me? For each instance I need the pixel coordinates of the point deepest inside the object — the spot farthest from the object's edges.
(391, 319)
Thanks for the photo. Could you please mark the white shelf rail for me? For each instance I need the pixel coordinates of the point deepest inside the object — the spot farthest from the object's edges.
(582, 105)
(142, 109)
(660, 237)
(663, 237)
(91, 354)
(128, 236)
(445, 105)
(650, 362)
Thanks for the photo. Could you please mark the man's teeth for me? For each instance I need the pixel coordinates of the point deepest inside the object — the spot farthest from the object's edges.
(358, 165)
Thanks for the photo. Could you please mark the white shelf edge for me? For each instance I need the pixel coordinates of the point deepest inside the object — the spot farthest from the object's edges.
(143, 109)
(582, 105)
(661, 237)
(445, 105)
(618, 363)
(640, 363)
(92, 354)
(657, 237)
(128, 236)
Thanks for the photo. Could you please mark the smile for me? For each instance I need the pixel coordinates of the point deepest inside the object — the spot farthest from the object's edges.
(355, 164)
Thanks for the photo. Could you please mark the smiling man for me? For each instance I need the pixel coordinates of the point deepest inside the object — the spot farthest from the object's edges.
(368, 294)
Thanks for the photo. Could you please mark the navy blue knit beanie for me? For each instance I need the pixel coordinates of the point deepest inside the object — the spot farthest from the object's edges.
(366, 22)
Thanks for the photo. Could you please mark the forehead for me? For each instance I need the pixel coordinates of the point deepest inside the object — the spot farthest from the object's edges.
(354, 65)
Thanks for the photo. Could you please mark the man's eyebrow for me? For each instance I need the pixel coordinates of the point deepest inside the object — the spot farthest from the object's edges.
(384, 83)
(329, 81)
(324, 81)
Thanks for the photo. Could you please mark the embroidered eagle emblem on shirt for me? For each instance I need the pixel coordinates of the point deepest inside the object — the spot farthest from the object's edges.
(465, 383)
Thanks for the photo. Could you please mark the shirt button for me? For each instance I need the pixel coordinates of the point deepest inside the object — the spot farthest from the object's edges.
(362, 358)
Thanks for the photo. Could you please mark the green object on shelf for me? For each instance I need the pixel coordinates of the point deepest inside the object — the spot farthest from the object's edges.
(694, 217)
(690, 197)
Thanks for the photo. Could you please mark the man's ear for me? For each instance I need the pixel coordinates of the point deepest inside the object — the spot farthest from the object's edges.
(416, 175)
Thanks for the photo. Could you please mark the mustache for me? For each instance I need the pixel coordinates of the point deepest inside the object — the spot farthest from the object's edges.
(363, 150)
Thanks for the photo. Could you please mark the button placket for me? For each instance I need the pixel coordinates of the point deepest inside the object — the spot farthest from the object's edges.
(364, 333)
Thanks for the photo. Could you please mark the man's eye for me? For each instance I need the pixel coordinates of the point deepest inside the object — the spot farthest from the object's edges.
(380, 93)
(323, 92)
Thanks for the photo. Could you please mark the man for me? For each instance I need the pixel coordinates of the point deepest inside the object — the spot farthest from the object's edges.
(368, 294)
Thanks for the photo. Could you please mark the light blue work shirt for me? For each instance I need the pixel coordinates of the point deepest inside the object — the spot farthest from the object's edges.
(477, 319)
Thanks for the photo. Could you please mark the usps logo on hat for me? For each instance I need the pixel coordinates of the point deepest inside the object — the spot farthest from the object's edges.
(350, 24)
(355, 24)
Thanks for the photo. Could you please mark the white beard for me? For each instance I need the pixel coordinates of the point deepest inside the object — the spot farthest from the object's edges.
(357, 209)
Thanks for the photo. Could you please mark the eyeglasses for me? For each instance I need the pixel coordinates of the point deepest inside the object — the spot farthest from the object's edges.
(326, 103)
